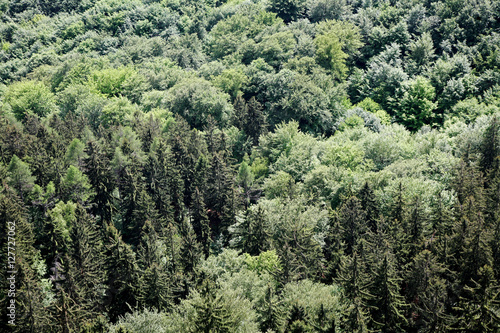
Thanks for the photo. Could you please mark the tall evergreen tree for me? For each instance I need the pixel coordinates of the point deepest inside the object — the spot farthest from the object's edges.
(122, 275)
(369, 205)
(97, 169)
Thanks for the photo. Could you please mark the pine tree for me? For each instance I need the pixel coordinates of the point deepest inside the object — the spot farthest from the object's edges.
(75, 186)
(255, 122)
(427, 293)
(441, 218)
(479, 307)
(297, 321)
(251, 233)
(240, 112)
(164, 183)
(490, 148)
(84, 265)
(33, 307)
(334, 248)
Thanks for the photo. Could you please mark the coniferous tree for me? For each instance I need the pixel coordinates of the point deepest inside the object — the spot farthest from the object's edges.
(369, 205)
(33, 307)
(270, 313)
(297, 321)
(334, 248)
(352, 222)
(427, 293)
(122, 275)
(200, 222)
(490, 148)
(97, 169)
(211, 313)
(84, 266)
(255, 122)
(352, 277)
(388, 312)
(19, 176)
(251, 233)
(154, 281)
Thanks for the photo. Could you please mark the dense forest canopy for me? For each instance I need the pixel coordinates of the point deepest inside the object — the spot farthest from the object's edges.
(250, 165)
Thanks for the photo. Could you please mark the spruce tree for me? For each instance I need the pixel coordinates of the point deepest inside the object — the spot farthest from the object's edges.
(388, 311)
(97, 169)
(122, 275)
(369, 205)
(154, 281)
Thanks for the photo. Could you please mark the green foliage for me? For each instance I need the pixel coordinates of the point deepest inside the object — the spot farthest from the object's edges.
(196, 100)
(19, 175)
(29, 98)
(250, 166)
(417, 106)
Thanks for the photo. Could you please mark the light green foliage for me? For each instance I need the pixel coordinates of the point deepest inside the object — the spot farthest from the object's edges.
(62, 217)
(75, 185)
(322, 304)
(266, 262)
(335, 42)
(124, 81)
(370, 105)
(470, 109)
(29, 98)
(231, 81)
(196, 99)
(347, 155)
(75, 153)
(228, 35)
(19, 175)
(116, 111)
(417, 105)
(279, 184)
(145, 321)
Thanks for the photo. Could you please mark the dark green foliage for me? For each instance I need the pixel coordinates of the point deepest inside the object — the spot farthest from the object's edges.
(122, 278)
(236, 166)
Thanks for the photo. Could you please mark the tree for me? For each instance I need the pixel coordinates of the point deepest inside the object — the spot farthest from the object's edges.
(196, 99)
(288, 10)
(490, 148)
(352, 222)
(20, 176)
(388, 305)
(201, 222)
(270, 313)
(154, 281)
(355, 282)
(369, 205)
(417, 104)
(122, 275)
(75, 186)
(97, 169)
(251, 233)
(30, 98)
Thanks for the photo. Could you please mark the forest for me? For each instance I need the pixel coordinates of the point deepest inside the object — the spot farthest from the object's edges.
(249, 166)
